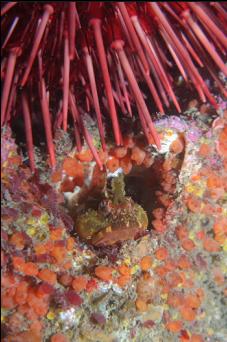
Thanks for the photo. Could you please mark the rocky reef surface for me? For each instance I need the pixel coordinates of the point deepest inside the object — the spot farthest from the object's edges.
(74, 267)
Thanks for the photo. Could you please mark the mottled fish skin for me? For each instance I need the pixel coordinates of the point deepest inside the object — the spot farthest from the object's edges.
(120, 234)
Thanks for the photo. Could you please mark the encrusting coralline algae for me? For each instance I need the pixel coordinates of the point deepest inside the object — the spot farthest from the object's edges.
(166, 284)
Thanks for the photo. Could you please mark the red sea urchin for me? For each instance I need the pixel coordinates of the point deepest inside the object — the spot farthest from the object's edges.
(52, 49)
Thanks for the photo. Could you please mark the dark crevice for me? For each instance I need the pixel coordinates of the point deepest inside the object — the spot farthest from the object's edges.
(141, 185)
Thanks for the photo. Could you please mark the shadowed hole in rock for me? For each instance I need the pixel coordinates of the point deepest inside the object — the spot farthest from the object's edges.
(149, 188)
(141, 185)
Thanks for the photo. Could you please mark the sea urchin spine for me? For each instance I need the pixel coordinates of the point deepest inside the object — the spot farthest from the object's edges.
(44, 55)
